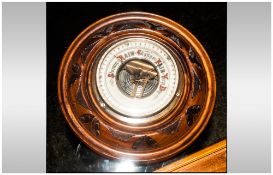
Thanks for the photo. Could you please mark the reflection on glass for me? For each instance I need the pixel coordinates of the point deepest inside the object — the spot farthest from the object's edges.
(125, 166)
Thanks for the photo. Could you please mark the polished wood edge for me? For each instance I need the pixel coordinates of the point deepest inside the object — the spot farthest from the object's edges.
(92, 140)
(213, 151)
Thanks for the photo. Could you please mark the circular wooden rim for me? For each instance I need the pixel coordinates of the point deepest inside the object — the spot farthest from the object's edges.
(141, 156)
(173, 110)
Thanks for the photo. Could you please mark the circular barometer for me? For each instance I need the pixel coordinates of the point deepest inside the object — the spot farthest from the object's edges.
(136, 86)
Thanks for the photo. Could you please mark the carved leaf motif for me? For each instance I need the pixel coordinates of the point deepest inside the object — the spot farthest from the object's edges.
(86, 118)
(153, 26)
(172, 128)
(190, 114)
(194, 58)
(164, 31)
(144, 143)
(176, 40)
(75, 73)
(103, 32)
(120, 135)
(87, 48)
(79, 98)
(93, 123)
(126, 26)
(95, 126)
(109, 29)
(94, 40)
(196, 84)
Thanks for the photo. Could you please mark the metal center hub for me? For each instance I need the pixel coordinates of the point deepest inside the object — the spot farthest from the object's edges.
(137, 78)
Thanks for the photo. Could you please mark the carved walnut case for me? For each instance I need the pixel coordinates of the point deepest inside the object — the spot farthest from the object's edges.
(136, 86)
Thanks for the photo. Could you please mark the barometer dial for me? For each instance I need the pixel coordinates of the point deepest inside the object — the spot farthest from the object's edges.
(136, 86)
(137, 77)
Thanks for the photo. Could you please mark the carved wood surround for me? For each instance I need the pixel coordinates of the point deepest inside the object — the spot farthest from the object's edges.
(155, 140)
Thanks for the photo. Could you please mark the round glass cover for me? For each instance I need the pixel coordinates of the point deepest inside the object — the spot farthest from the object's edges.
(137, 77)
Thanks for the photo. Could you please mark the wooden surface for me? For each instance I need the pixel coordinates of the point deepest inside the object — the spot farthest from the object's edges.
(210, 159)
(161, 135)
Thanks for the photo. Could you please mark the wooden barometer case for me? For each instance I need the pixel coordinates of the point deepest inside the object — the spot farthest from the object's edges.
(136, 86)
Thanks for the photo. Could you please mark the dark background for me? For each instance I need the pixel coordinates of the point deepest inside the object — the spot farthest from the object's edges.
(207, 21)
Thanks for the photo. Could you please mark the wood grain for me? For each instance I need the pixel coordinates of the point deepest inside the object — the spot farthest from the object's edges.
(156, 137)
(210, 159)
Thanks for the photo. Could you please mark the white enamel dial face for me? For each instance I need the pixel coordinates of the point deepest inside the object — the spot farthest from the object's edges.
(137, 77)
